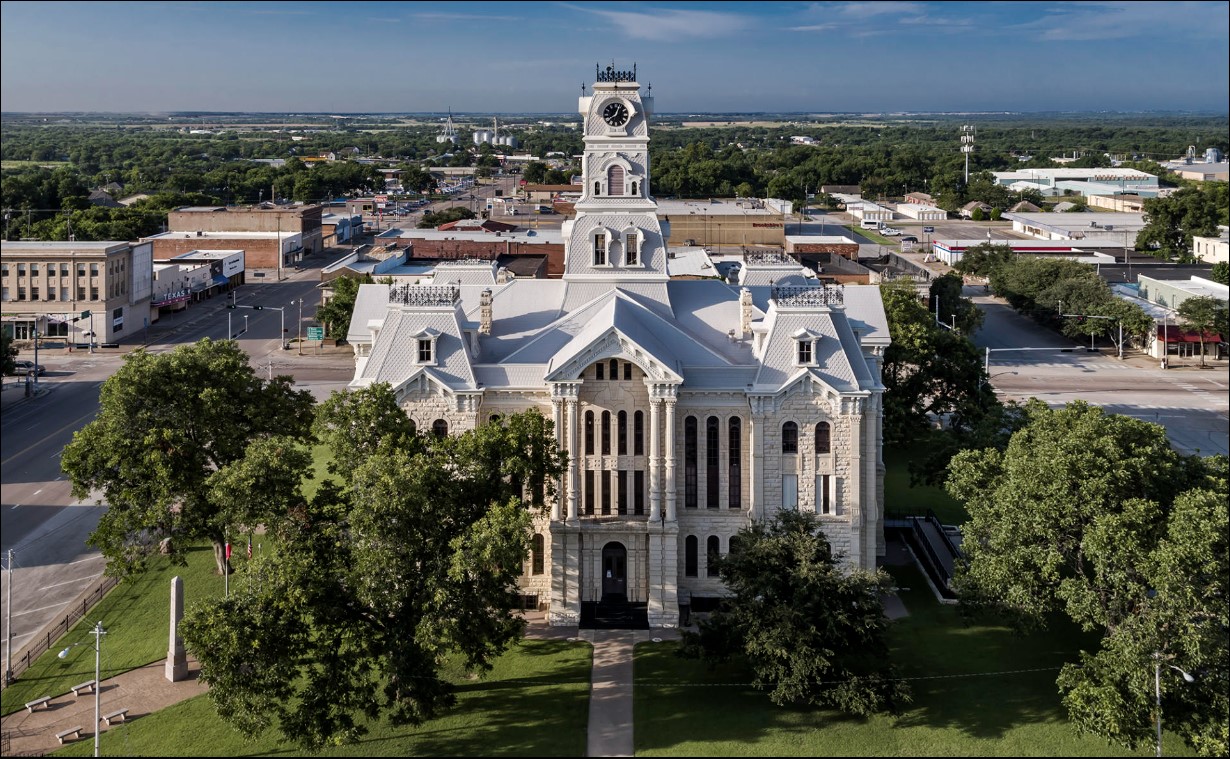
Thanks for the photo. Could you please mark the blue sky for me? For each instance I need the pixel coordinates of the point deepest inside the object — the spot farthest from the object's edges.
(511, 57)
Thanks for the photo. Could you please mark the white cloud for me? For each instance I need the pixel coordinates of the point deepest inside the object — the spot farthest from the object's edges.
(669, 24)
(871, 10)
(1101, 21)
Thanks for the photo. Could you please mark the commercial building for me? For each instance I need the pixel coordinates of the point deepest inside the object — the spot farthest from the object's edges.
(920, 212)
(1085, 226)
(301, 220)
(722, 223)
(47, 286)
(260, 248)
(688, 409)
(1068, 181)
(1213, 250)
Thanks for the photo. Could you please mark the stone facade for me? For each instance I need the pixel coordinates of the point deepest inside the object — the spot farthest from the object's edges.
(687, 410)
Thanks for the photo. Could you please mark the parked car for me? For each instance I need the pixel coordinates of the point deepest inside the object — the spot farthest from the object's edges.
(909, 238)
(890, 232)
(22, 368)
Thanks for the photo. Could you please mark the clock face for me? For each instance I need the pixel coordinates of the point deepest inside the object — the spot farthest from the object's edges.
(615, 114)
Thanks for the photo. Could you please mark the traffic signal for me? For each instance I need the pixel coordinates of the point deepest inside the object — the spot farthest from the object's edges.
(257, 308)
(230, 305)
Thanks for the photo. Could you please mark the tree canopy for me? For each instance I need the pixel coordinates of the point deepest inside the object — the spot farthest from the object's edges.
(930, 373)
(1094, 516)
(812, 631)
(372, 585)
(335, 314)
(167, 425)
(1206, 316)
(1172, 221)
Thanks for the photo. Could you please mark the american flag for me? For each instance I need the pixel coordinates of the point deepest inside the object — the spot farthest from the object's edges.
(249, 546)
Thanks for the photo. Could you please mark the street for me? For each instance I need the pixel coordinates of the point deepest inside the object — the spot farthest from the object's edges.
(39, 519)
(1191, 403)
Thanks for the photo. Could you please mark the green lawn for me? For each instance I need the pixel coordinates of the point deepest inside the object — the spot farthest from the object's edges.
(535, 702)
(135, 615)
(969, 700)
(900, 496)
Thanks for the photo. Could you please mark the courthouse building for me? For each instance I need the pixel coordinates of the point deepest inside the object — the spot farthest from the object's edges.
(688, 408)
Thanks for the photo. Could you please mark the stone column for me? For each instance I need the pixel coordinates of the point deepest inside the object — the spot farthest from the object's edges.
(574, 450)
(557, 417)
(177, 660)
(655, 456)
(755, 463)
(670, 457)
(857, 485)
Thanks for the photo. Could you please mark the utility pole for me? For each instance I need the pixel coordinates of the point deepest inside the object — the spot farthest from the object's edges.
(300, 330)
(8, 627)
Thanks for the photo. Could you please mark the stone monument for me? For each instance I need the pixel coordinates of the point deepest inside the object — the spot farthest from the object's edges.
(177, 660)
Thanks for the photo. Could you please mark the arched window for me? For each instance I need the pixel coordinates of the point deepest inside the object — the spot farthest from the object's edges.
(597, 188)
(414, 428)
(614, 370)
(689, 462)
(638, 433)
(734, 449)
(439, 428)
(599, 371)
(713, 548)
(631, 250)
(536, 558)
(823, 438)
(589, 433)
(600, 249)
(634, 188)
(733, 548)
(628, 371)
(790, 438)
(606, 433)
(621, 438)
(712, 462)
(689, 556)
(494, 418)
(615, 180)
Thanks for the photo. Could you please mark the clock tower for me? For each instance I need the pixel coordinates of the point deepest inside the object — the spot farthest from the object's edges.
(615, 236)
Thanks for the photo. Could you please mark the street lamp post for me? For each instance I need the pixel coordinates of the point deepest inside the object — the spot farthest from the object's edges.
(97, 632)
(1158, 664)
(299, 331)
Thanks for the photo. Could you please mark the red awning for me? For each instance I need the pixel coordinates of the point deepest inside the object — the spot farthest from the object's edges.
(1176, 335)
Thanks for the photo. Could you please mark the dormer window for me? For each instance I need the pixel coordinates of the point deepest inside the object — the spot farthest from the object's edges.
(600, 249)
(805, 340)
(632, 249)
(425, 343)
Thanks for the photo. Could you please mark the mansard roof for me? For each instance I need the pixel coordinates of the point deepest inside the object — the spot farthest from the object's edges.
(693, 335)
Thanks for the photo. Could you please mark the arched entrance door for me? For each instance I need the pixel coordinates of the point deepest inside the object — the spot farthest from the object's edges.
(614, 572)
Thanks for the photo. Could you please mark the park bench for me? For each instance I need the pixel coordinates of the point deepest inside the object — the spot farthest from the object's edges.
(36, 703)
(119, 715)
(72, 732)
(86, 687)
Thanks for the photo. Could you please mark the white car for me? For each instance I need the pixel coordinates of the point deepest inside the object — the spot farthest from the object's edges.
(890, 232)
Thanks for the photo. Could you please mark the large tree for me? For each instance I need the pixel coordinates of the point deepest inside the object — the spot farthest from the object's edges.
(930, 373)
(166, 424)
(1172, 221)
(335, 314)
(1205, 316)
(1094, 516)
(811, 630)
(8, 353)
(372, 585)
